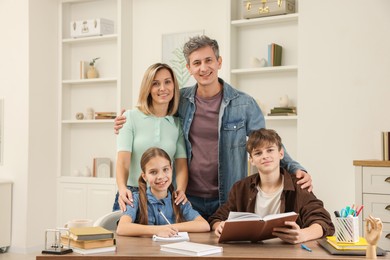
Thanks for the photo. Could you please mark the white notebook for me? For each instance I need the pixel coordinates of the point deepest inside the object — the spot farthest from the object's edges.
(191, 248)
(94, 250)
(181, 236)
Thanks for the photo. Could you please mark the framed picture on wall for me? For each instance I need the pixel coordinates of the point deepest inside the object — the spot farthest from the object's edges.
(172, 54)
(102, 167)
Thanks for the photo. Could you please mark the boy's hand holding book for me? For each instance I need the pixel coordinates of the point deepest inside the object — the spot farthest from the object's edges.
(290, 233)
(219, 228)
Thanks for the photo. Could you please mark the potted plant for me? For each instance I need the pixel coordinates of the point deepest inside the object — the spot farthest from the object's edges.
(92, 72)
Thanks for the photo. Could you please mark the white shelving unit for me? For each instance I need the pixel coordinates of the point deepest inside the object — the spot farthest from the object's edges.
(249, 39)
(83, 140)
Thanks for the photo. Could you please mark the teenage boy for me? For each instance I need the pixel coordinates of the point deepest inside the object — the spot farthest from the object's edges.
(273, 191)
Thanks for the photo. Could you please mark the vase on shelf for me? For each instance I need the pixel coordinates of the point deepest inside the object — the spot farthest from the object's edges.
(92, 72)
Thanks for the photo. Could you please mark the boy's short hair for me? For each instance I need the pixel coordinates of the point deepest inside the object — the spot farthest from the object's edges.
(261, 137)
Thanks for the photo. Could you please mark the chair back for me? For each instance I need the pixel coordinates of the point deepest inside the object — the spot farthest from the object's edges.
(109, 221)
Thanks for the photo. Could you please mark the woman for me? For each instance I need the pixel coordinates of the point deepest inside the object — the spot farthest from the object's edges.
(151, 124)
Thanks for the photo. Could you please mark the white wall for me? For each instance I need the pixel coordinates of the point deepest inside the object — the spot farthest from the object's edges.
(42, 119)
(28, 85)
(14, 90)
(344, 91)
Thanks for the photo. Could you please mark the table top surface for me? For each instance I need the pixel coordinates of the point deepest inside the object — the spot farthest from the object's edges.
(145, 248)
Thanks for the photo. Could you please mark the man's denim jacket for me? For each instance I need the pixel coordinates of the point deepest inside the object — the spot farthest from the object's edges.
(239, 115)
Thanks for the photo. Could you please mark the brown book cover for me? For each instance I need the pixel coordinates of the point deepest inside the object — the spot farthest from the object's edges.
(246, 226)
(88, 244)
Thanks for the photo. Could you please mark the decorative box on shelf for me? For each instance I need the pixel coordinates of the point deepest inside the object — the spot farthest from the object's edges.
(92, 27)
(260, 8)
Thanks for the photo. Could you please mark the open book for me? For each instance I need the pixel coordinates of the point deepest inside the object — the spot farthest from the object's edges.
(245, 226)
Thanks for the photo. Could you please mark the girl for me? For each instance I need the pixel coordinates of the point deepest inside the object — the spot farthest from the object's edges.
(155, 211)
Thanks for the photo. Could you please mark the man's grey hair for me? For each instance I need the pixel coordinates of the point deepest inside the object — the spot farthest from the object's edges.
(197, 42)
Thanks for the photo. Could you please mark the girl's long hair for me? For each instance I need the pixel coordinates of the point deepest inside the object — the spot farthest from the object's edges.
(142, 217)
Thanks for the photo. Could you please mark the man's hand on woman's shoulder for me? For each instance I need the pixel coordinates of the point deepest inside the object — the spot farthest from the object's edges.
(304, 180)
(119, 121)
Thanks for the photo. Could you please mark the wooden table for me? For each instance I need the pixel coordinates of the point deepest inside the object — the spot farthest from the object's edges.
(145, 248)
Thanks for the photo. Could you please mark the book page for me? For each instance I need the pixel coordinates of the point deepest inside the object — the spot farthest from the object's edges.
(181, 236)
(241, 216)
(279, 215)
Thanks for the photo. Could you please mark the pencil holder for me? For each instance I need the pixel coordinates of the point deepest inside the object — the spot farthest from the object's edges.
(347, 229)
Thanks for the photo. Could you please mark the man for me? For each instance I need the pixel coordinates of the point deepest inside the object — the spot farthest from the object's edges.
(216, 120)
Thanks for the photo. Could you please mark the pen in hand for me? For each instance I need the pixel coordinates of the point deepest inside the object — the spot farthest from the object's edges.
(165, 218)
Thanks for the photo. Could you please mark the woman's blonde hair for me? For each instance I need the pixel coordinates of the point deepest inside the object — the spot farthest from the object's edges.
(142, 217)
(145, 102)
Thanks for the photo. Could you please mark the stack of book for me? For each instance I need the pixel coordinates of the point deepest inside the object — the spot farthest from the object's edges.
(360, 245)
(90, 240)
(283, 111)
(105, 115)
(331, 245)
(274, 54)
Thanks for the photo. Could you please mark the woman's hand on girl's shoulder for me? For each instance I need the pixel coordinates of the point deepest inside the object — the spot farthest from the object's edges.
(180, 197)
(125, 198)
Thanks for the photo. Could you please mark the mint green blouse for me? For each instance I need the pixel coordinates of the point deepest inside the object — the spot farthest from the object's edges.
(141, 132)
